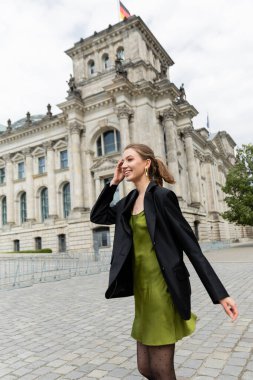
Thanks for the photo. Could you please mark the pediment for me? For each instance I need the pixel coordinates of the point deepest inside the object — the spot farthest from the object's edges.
(18, 157)
(38, 151)
(104, 164)
(60, 145)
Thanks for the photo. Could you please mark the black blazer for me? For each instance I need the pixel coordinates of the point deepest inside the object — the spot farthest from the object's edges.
(171, 235)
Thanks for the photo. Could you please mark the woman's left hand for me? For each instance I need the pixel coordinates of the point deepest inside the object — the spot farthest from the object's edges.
(230, 307)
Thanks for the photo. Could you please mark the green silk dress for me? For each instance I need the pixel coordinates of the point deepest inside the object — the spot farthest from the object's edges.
(157, 321)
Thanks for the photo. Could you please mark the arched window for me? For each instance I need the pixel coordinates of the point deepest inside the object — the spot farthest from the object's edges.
(23, 214)
(108, 142)
(106, 61)
(91, 67)
(44, 204)
(4, 211)
(121, 53)
(66, 199)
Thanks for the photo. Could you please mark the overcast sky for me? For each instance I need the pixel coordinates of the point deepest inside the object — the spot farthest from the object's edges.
(210, 42)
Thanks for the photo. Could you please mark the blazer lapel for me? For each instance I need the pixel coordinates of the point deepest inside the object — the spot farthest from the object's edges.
(126, 213)
(150, 212)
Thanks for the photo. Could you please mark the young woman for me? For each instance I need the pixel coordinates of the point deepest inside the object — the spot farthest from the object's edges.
(147, 260)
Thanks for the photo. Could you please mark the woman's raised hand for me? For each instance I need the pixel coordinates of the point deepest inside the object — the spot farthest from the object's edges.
(118, 173)
(230, 307)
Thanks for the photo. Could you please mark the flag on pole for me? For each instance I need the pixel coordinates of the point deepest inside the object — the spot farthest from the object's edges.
(207, 122)
(123, 11)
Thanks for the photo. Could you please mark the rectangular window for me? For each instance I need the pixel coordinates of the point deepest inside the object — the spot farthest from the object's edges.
(2, 175)
(101, 237)
(21, 170)
(42, 165)
(16, 245)
(38, 242)
(62, 242)
(64, 159)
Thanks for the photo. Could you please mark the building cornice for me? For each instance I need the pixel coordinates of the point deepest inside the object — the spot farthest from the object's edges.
(73, 103)
(41, 126)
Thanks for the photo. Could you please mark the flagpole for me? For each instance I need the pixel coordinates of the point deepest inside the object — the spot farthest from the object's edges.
(118, 7)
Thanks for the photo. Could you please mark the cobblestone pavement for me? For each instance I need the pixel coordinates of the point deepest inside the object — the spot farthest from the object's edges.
(67, 330)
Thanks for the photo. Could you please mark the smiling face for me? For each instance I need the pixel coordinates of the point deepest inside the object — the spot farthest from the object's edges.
(134, 165)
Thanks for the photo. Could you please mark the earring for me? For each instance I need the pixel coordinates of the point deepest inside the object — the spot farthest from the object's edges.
(146, 172)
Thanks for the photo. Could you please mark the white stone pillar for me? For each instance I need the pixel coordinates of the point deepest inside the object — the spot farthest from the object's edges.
(9, 189)
(170, 134)
(97, 186)
(211, 186)
(76, 167)
(52, 202)
(29, 185)
(124, 114)
(90, 197)
(192, 168)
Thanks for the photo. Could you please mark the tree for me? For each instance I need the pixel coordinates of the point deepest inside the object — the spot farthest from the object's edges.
(239, 187)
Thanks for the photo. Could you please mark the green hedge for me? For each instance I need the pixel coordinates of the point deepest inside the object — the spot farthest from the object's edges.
(44, 250)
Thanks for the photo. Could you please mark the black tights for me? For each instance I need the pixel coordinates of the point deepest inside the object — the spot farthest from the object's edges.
(156, 362)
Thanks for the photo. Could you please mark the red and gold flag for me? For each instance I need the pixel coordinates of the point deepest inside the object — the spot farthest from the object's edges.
(123, 11)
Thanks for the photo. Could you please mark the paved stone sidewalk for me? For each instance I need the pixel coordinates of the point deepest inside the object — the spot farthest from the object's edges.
(67, 330)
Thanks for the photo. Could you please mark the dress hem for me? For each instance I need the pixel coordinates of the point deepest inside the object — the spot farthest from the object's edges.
(168, 342)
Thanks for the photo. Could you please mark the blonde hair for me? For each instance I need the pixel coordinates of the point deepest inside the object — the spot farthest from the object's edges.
(157, 170)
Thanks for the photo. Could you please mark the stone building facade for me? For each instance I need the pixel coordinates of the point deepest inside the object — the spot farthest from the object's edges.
(53, 167)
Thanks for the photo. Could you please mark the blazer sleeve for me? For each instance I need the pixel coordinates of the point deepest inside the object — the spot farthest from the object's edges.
(102, 212)
(189, 244)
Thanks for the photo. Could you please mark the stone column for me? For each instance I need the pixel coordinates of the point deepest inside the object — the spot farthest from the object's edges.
(192, 168)
(76, 167)
(124, 114)
(90, 197)
(211, 186)
(97, 186)
(52, 202)
(9, 189)
(29, 185)
(170, 134)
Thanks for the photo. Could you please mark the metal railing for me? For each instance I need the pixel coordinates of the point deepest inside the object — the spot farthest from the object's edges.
(24, 270)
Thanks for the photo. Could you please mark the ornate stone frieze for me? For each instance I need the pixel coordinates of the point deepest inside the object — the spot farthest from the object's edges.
(199, 155)
(209, 159)
(48, 145)
(27, 151)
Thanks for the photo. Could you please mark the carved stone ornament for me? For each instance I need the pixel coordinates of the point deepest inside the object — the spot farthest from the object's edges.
(48, 145)
(73, 91)
(9, 127)
(188, 131)
(169, 114)
(124, 112)
(27, 151)
(49, 113)
(199, 155)
(209, 159)
(7, 157)
(75, 128)
(119, 67)
(28, 119)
